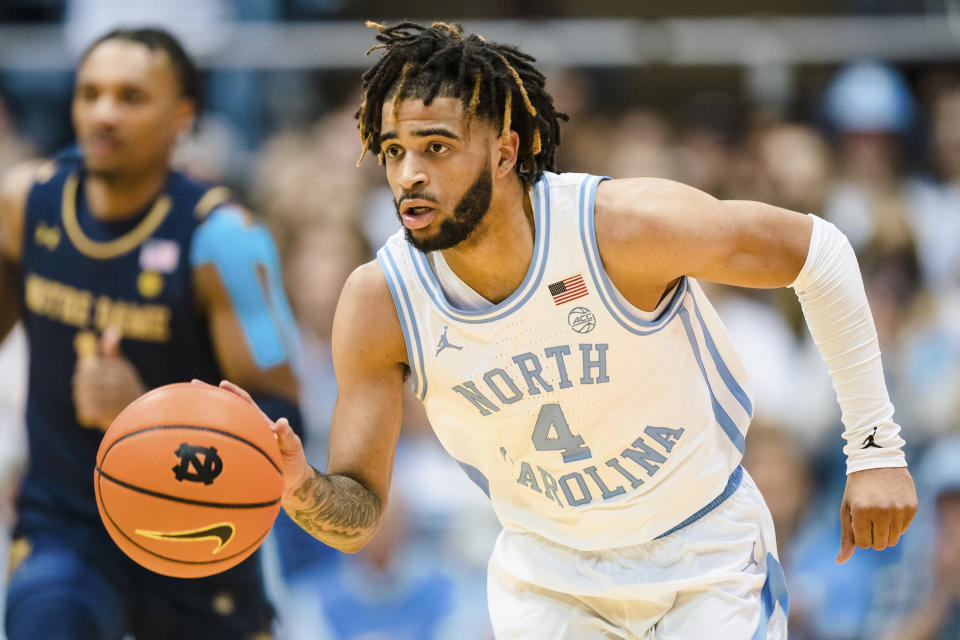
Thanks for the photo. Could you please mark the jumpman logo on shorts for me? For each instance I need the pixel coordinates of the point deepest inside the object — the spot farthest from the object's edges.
(870, 442)
(753, 558)
(445, 344)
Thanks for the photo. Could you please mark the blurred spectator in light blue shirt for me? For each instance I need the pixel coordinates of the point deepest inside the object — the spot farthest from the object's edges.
(921, 598)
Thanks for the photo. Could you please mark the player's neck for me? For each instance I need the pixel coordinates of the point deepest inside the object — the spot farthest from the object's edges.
(495, 259)
(114, 198)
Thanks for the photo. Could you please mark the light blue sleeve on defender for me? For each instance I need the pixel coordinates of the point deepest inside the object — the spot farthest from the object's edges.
(238, 249)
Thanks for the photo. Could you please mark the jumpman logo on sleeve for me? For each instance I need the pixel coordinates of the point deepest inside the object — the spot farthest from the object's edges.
(445, 344)
(870, 442)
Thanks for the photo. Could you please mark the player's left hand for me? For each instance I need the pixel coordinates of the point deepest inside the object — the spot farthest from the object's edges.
(104, 383)
(878, 506)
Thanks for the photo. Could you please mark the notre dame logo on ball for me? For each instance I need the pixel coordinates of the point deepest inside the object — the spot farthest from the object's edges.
(581, 320)
(197, 464)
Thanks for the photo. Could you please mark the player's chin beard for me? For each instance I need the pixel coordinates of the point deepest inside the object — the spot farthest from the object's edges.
(467, 216)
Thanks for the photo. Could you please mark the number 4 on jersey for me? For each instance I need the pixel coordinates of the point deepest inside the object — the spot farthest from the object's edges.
(552, 420)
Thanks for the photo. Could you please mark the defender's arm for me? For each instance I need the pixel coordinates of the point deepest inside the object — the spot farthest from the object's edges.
(14, 190)
(239, 290)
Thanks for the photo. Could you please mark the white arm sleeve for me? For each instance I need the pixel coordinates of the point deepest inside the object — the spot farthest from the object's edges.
(835, 306)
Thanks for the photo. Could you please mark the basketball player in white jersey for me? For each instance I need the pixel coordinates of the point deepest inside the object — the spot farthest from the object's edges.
(554, 328)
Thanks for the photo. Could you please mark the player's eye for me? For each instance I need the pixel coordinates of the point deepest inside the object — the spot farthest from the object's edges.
(132, 96)
(437, 147)
(392, 151)
(87, 93)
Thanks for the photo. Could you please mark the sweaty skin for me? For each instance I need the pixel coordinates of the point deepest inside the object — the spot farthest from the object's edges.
(650, 232)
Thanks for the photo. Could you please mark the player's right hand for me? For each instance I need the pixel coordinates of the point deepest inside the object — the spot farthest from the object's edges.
(104, 382)
(293, 461)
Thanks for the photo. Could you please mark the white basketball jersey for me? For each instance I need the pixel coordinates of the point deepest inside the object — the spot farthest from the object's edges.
(583, 422)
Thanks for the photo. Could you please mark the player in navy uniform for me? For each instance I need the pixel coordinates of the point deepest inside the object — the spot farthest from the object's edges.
(128, 276)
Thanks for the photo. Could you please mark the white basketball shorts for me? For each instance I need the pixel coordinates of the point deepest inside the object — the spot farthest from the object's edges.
(716, 578)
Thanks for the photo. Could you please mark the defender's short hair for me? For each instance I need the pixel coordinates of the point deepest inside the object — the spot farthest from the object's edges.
(159, 39)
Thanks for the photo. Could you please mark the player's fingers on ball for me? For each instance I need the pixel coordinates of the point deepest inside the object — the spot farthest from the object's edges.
(287, 437)
(240, 391)
(237, 389)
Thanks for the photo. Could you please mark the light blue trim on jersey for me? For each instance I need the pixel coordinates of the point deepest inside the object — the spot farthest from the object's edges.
(735, 389)
(408, 321)
(529, 286)
(774, 592)
(723, 418)
(237, 248)
(732, 485)
(476, 476)
(607, 292)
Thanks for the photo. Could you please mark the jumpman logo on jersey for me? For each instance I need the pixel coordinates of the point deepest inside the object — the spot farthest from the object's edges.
(445, 344)
(753, 558)
(870, 442)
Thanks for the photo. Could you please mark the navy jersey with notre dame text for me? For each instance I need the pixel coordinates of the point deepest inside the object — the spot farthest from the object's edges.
(80, 275)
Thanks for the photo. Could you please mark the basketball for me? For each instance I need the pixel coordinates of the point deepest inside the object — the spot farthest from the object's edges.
(188, 480)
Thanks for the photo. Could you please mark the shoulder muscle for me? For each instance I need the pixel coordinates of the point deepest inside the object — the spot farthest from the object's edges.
(14, 191)
(643, 225)
(652, 231)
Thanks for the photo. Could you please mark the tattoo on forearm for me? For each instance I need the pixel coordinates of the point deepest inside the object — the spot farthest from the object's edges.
(335, 508)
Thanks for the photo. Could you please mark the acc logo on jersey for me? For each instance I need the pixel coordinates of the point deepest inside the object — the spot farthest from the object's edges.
(581, 320)
(197, 464)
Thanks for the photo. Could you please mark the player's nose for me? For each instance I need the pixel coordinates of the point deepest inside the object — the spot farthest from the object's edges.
(411, 175)
(104, 110)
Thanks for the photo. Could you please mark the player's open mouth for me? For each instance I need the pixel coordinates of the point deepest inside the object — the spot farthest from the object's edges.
(416, 215)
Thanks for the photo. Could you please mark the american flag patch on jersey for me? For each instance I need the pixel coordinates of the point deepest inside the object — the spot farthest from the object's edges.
(569, 289)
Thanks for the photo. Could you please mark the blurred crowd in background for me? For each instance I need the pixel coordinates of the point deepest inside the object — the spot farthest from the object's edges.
(872, 147)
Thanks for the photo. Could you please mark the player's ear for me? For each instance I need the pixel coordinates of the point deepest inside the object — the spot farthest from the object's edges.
(185, 114)
(508, 149)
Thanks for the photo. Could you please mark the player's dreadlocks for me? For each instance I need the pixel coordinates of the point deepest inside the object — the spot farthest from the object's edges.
(494, 81)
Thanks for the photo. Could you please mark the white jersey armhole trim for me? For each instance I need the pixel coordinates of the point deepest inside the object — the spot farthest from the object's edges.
(630, 318)
(408, 322)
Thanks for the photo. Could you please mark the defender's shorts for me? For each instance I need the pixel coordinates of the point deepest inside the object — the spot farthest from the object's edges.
(72, 586)
(716, 578)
